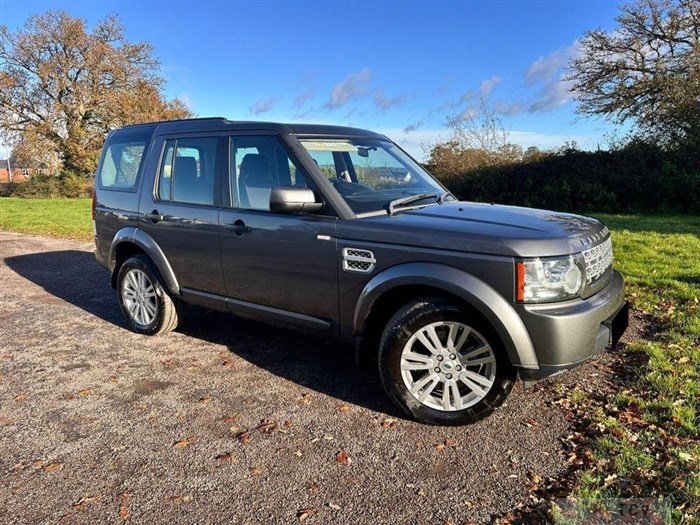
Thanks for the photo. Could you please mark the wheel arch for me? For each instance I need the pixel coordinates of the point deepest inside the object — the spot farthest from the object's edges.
(132, 241)
(395, 286)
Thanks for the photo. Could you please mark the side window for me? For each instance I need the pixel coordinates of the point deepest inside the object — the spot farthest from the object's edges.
(188, 171)
(259, 163)
(122, 161)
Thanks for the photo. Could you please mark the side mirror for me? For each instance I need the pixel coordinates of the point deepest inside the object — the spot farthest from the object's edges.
(293, 200)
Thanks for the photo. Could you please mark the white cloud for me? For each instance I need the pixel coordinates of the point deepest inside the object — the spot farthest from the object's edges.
(553, 95)
(350, 88)
(384, 102)
(263, 106)
(546, 67)
(301, 99)
(488, 85)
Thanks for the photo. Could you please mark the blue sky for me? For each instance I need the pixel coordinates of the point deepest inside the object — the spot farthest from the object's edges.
(402, 68)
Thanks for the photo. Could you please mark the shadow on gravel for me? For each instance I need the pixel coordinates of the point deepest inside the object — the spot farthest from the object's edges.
(326, 366)
(74, 276)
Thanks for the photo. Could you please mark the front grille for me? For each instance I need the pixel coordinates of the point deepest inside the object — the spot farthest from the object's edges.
(598, 260)
(360, 261)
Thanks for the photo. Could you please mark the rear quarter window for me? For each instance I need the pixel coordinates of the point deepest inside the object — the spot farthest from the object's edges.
(122, 160)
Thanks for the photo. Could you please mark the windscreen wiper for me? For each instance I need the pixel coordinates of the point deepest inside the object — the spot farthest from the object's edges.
(405, 201)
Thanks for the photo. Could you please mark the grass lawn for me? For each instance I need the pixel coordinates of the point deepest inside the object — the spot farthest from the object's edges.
(58, 217)
(641, 440)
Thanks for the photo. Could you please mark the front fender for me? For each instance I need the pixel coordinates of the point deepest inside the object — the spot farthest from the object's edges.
(147, 244)
(467, 287)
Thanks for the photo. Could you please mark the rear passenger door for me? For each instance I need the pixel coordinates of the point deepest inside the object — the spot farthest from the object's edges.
(180, 210)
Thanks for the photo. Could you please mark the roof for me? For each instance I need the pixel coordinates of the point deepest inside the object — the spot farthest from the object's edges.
(220, 123)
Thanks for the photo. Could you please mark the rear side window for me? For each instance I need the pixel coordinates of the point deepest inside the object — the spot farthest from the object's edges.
(188, 171)
(122, 160)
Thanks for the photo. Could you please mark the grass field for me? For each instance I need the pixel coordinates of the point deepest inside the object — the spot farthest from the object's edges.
(640, 440)
(57, 217)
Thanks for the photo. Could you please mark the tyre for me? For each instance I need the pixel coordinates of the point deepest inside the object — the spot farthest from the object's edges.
(146, 304)
(443, 364)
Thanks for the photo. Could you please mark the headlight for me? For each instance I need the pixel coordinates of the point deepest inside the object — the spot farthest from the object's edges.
(547, 280)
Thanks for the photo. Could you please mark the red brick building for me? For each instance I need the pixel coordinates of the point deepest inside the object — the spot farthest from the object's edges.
(19, 174)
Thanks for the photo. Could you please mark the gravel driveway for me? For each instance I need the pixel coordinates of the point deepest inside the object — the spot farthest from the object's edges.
(226, 420)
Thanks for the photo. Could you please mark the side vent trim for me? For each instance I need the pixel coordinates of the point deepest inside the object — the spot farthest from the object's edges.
(357, 260)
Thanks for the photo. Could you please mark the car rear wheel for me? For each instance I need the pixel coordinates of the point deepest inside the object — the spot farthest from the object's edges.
(147, 306)
(442, 364)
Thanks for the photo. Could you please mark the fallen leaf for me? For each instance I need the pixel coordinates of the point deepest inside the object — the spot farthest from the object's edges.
(389, 422)
(533, 477)
(234, 429)
(82, 502)
(85, 392)
(314, 486)
(51, 467)
(226, 456)
(243, 437)
(230, 419)
(254, 470)
(287, 424)
(305, 513)
(529, 423)
(305, 399)
(334, 506)
(342, 457)
(20, 397)
(123, 510)
(298, 453)
(185, 442)
(344, 408)
(38, 463)
(205, 400)
(267, 427)
(227, 363)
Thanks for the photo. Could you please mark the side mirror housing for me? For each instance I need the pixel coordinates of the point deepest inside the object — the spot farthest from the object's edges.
(293, 200)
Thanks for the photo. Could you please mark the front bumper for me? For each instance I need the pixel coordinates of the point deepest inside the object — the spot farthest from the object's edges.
(567, 334)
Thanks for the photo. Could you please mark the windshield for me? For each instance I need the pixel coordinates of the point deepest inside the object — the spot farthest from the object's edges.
(370, 173)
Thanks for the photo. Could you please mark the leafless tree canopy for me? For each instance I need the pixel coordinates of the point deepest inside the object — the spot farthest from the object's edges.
(646, 71)
(64, 87)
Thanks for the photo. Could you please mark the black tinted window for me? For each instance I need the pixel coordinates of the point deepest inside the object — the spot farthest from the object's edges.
(121, 162)
(188, 170)
(259, 163)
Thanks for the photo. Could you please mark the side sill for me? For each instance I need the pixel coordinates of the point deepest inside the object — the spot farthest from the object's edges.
(256, 311)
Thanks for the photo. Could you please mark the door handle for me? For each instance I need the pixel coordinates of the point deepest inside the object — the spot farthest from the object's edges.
(239, 227)
(154, 216)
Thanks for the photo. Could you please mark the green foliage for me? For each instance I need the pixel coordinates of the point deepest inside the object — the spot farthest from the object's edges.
(68, 185)
(637, 177)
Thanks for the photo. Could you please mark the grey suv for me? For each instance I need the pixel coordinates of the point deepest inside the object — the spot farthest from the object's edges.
(338, 231)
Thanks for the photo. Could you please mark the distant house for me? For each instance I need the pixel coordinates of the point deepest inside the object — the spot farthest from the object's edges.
(19, 173)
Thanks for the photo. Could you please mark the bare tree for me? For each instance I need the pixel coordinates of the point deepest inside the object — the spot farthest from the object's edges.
(647, 70)
(478, 138)
(64, 87)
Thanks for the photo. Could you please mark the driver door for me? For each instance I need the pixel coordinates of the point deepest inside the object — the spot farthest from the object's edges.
(281, 267)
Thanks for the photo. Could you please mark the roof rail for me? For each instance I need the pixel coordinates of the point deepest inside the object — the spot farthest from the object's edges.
(198, 119)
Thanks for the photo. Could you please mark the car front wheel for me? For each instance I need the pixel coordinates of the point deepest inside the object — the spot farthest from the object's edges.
(442, 364)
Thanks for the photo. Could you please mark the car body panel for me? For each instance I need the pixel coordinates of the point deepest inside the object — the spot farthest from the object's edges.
(296, 270)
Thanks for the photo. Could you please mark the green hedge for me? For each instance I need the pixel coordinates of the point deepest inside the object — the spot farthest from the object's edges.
(68, 185)
(638, 177)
